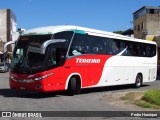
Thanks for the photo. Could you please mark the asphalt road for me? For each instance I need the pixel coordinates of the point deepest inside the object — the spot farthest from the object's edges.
(88, 100)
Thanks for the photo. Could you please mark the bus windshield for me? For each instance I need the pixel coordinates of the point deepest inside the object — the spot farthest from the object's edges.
(28, 58)
(25, 61)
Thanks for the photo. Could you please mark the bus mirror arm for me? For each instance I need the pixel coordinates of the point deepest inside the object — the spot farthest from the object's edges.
(48, 42)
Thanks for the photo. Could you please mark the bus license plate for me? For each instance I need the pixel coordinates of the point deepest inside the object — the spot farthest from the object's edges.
(23, 88)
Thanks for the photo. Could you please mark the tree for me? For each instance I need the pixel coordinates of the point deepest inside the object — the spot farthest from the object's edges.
(118, 32)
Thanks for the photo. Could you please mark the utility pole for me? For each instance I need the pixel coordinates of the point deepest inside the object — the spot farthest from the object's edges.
(2, 44)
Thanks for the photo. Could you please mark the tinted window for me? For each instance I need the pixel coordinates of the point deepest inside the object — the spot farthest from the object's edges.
(26, 57)
(115, 47)
(129, 48)
(143, 50)
(136, 49)
(140, 49)
(67, 35)
(98, 45)
(83, 44)
(56, 54)
(108, 43)
(35, 60)
(150, 50)
(80, 45)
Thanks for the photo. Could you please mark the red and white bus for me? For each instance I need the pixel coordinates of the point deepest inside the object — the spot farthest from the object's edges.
(72, 58)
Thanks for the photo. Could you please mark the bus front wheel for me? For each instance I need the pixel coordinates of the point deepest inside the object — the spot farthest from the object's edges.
(72, 86)
(138, 82)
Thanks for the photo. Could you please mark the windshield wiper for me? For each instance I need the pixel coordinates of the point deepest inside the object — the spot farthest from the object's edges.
(22, 66)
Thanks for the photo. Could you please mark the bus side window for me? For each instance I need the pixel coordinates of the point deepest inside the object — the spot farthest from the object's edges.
(153, 50)
(129, 49)
(136, 49)
(98, 45)
(150, 50)
(108, 45)
(51, 60)
(143, 50)
(80, 45)
(122, 47)
(115, 48)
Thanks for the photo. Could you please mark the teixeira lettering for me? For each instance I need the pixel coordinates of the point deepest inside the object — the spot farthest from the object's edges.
(83, 60)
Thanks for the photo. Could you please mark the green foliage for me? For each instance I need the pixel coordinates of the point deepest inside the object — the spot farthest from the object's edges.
(145, 104)
(150, 99)
(118, 32)
(152, 96)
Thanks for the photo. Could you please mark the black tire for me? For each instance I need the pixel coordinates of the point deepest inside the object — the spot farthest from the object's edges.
(78, 88)
(72, 87)
(41, 93)
(138, 82)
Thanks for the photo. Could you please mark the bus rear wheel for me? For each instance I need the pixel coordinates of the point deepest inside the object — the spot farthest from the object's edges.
(138, 82)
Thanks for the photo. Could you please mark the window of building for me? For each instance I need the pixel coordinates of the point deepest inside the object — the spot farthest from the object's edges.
(151, 11)
(134, 28)
(142, 25)
(139, 14)
(135, 16)
(142, 12)
(156, 11)
(138, 28)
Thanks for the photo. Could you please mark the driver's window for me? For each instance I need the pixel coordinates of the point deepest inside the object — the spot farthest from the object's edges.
(19, 53)
(51, 60)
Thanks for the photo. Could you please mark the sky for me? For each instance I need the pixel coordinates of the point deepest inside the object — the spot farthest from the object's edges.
(107, 15)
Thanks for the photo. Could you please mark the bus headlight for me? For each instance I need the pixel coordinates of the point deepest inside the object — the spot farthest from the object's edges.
(11, 77)
(43, 77)
(30, 80)
(21, 80)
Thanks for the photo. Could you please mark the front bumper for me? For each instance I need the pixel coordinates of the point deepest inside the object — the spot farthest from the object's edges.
(39, 86)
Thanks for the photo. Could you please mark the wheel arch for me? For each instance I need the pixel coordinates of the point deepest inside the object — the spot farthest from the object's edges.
(77, 75)
(140, 75)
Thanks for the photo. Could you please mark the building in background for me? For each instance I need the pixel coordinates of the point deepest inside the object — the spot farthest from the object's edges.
(8, 32)
(146, 22)
(147, 25)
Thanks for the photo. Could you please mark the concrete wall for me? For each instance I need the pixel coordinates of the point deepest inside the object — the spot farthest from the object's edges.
(7, 27)
(153, 23)
(140, 34)
(7, 30)
(3, 27)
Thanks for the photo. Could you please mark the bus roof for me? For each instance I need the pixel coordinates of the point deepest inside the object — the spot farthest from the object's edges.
(60, 28)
